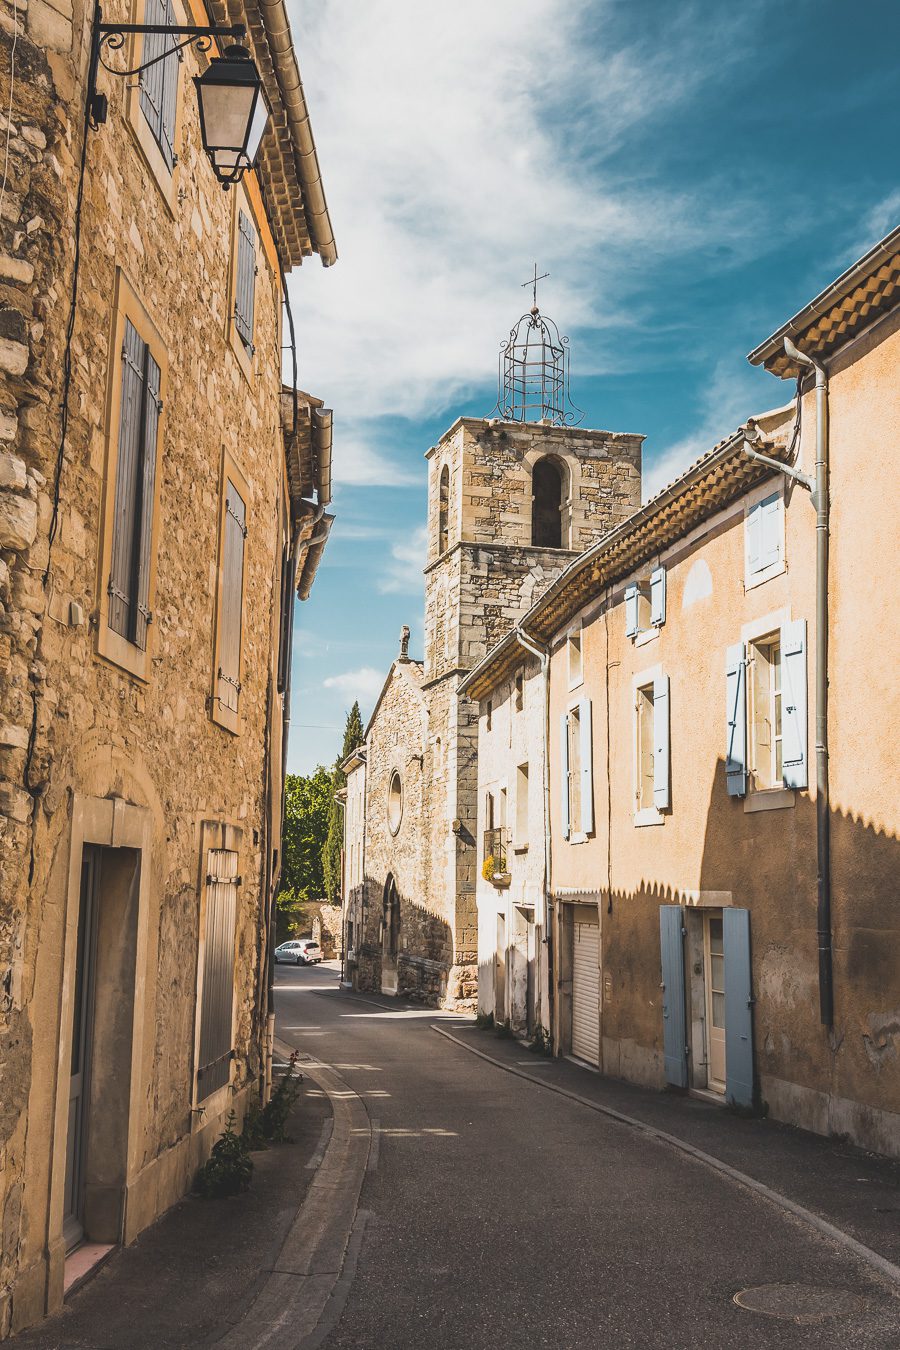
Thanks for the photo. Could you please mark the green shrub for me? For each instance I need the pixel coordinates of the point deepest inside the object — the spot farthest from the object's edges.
(229, 1167)
(274, 1115)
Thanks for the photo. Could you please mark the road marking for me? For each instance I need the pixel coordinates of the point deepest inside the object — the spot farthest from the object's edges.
(822, 1226)
(375, 1146)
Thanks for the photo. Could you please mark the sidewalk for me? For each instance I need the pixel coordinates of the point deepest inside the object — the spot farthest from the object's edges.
(857, 1192)
(196, 1272)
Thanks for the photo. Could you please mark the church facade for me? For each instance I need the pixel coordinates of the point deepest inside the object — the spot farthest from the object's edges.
(510, 505)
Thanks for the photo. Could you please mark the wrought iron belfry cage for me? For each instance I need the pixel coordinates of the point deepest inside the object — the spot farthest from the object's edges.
(533, 383)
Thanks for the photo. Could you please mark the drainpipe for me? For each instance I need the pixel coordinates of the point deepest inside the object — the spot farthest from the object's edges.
(543, 655)
(818, 488)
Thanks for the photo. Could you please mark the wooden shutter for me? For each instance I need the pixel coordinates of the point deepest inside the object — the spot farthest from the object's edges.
(587, 770)
(129, 579)
(245, 284)
(658, 597)
(564, 774)
(735, 721)
(738, 1008)
(671, 941)
(661, 752)
(795, 773)
(631, 611)
(287, 618)
(228, 675)
(217, 998)
(159, 83)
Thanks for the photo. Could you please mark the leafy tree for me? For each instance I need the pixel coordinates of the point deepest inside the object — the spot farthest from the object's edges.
(307, 808)
(331, 853)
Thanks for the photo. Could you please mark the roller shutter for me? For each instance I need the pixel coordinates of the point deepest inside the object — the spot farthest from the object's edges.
(586, 993)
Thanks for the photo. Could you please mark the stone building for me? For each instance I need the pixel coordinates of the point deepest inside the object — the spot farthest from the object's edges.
(510, 503)
(160, 495)
(722, 796)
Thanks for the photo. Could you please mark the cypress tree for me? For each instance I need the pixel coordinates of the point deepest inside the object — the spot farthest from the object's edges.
(331, 853)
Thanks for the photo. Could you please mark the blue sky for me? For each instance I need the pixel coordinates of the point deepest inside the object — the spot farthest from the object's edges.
(689, 174)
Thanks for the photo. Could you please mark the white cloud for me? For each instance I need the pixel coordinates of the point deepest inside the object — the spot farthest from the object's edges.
(878, 221)
(403, 575)
(363, 684)
(358, 462)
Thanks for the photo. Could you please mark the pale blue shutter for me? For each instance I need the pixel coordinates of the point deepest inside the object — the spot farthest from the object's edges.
(738, 1007)
(564, 773)
(793, 704)
(754, 529)
(736, 721)
(661, 753)
(587, 770)
(658, 597)
(770, 531)
(631, 611)
(671, 942)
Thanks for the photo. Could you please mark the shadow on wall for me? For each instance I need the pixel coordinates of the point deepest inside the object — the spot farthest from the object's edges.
(764, 861)
(405, 950)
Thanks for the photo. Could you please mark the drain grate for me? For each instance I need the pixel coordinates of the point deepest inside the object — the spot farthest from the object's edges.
(801, 1302)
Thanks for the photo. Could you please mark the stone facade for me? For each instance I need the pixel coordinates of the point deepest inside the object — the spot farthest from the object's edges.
(483, 572)
(108, 749)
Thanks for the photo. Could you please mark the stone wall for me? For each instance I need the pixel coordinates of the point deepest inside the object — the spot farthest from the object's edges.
(75, 728)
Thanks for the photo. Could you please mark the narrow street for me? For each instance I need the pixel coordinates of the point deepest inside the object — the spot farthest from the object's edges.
(499, 1213)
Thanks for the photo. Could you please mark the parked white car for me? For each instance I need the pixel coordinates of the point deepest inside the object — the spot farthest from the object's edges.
(298, 952)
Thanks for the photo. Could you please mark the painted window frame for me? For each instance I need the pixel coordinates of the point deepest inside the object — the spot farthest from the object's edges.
(110, 645)
(228, 718)
(643, 680)
(166, 179)
(762, 798)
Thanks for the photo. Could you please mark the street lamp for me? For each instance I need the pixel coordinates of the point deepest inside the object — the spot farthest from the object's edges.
(233, 110)
(233, 113)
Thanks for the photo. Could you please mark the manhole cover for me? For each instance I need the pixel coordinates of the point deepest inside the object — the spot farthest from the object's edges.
(800, 1302)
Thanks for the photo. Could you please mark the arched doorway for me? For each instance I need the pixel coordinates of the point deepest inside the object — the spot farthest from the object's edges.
(390, 935)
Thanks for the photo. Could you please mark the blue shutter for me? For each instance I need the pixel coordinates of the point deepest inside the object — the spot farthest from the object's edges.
(754, 542)
(738, 1008)
(771, 531)
(564, 773)
(631, 611)
(661, 752)
(587, 771)
(671, 942)
(658, 597)
(735, 721)
(793, 704)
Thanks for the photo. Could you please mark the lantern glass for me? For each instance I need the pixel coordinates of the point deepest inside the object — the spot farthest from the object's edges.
(233, 113)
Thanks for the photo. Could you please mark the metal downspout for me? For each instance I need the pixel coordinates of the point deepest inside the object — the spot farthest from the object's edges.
(543, 655)
(821, 502)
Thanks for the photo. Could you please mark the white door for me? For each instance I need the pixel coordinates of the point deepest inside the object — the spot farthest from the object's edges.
(586, 993)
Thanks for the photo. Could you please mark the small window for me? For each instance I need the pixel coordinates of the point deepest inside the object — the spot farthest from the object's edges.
(395, 802)
(158, 84)
(576, 664)
(646, 776)
(645, 604)
(444, 510)
(547, 503)
(766, 744)
(522, 806)
(764, 539)
(574, 739)
(245, 281)
(519, 690)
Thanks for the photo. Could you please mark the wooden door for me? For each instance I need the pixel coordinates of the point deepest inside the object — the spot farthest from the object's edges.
(82, 1026)
(714, 980)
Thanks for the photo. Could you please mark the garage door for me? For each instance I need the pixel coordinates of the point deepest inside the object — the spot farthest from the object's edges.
(586, 993)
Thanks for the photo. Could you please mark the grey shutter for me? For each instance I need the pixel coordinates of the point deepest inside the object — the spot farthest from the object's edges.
(287, 618)
(735, 721)
(564, 774)
(793, 705)
(587, 771)
(217, 999)
(245, 286)
(129, 577)
(159, 83)
(658, 597)
(770, 531)
(631, 611)
(228, 679)
(671, 942)
(738, 1007)
(661, 752)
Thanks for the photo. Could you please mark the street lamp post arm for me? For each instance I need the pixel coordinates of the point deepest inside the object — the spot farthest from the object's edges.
(113, 35)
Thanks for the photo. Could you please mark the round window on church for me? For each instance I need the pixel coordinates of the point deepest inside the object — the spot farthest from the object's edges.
(395, 802)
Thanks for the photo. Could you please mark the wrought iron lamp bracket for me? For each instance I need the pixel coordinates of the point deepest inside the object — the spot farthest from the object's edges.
(113, 36)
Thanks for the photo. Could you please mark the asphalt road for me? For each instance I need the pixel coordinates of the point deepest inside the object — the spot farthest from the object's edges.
(499, 1214)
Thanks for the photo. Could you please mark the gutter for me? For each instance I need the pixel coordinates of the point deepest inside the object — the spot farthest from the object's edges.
(315, 547)
(542, 653)
(278, 35)
(322, 432)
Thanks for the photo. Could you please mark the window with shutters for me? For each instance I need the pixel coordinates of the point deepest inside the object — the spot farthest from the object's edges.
(131, 489)
(227, 683)
(645, 606)
(766, 713)
(242, 319)
(764, 540)
(576, 772)
(652, 792)
(576, 662)
(521, 839)
(765, 724)
(154, 96)
(216, 1049)
(574, 733)
(644, 748)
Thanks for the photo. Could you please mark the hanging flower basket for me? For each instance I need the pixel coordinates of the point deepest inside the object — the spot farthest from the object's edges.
(492, 872)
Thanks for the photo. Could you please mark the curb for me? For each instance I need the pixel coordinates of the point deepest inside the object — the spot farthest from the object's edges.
(313, 1268)
(872, 1258)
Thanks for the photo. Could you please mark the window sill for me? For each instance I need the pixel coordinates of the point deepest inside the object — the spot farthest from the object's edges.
(116, 649)
(520, 848)
(649, 816)
(645, 636)
(576, 684)
(770, 799)
(579, 838)
(759, 578)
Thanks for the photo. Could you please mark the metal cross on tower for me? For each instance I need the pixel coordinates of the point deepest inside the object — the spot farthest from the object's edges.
(533, 283)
